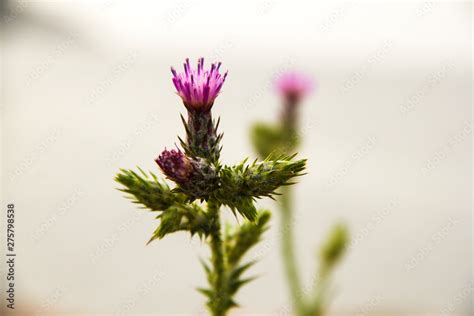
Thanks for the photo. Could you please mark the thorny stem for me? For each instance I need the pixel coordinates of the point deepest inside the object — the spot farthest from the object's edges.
(287, 250)
(202, 138)
(218, 307)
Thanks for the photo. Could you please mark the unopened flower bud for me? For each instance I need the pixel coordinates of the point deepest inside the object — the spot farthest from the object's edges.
(194, 176)
(334, 247)
(175, 165)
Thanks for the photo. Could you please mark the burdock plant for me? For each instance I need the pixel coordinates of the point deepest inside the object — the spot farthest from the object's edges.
(283, 138)
(202, 185)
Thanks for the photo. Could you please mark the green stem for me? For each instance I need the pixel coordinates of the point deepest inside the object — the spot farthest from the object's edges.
(287, 248)
(218, 306)
(317, 308)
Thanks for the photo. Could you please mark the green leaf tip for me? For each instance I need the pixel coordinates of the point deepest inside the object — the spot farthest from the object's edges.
(147, 190)
(335, 245)
(242, 183)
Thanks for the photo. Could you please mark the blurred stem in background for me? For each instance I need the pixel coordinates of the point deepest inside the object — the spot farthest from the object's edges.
(284, 138)
(288, 249)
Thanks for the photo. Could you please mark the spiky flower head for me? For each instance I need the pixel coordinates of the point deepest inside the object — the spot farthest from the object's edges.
(294, 86)
(175, 165)
(198, 88)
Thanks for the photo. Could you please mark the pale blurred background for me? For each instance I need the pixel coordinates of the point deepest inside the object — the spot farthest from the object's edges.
(87, 89)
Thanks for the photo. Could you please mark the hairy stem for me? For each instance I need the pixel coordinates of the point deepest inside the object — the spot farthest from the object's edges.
(287, 251)
(218, 306)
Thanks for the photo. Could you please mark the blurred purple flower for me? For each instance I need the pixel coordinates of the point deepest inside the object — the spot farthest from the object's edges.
(198, 88)
(294, 86)
(175, 165)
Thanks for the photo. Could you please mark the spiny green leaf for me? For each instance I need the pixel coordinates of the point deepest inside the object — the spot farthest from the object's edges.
(207, 292)
(245, 237)
(183, 217)
(148, 191)
(240, 184)
(238, 271)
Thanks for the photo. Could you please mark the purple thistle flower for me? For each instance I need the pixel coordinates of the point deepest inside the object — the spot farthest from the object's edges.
(294, 86)
(198, 88)
(175, 165)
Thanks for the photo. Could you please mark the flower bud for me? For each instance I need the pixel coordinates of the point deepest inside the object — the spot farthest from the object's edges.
(335, 246)
(194, 176)
(175, 165)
